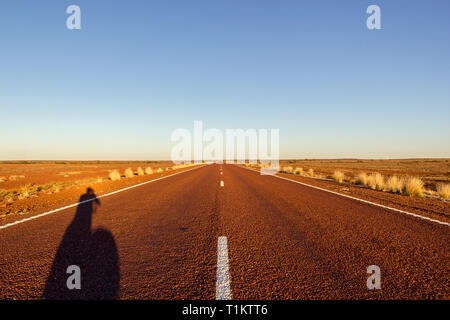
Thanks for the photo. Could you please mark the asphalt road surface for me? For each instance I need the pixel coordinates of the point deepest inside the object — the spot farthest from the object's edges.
(222, 231)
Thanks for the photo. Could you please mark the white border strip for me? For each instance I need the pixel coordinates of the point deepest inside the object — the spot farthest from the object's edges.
(358, 199)
(89, 200)
(223, 291)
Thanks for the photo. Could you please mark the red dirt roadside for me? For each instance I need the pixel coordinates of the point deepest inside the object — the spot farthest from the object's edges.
(24, 208)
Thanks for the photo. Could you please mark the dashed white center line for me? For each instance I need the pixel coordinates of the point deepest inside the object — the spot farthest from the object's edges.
(223, 291)
(221, 183)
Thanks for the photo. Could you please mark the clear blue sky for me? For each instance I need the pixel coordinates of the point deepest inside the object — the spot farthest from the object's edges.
(137, 70)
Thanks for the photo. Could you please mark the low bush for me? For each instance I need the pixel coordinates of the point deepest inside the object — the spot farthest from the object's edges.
(114, 175)
(287, 169)
(413, 187)
(375, 181)
(338, 176)
(394, 184)
(139, 171)
(129, 173)
(443, 190)
(362, 179)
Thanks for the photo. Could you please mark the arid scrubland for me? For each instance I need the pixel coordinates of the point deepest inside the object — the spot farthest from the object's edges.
(410, 177)
(53, 177)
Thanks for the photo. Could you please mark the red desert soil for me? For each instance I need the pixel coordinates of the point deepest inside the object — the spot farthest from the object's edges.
(14, 175)
(47, 200)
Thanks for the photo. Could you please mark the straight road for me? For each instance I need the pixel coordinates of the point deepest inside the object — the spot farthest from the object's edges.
(224, 230)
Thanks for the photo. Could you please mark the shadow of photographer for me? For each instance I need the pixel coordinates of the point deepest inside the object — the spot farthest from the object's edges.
(94, 253)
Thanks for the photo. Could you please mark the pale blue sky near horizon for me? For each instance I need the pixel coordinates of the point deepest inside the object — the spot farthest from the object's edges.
(138, 70)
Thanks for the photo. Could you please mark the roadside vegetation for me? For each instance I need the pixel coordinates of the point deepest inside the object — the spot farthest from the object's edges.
(443, 190)
(129, 173)
(148, 170)
(140, 172)
(114, 175)
(412, 186)
(32, 190)
(338, 176)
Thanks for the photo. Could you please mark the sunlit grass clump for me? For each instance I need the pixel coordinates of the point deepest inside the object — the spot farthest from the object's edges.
(24, 192)
(362, 178)
(15, 177)
(443, 191)
(129, 173)
(394, 184)
(139, 171)
(413, 187)
(338, 176)
(114, 175)
(148, 170)
(375, 181)
(287, 169)
(311, 172)
(298, 171)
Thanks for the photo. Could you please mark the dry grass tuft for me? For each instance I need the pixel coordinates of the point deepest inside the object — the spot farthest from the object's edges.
(287, 169)
(3, 179)
(394, 184)
(298, 171)
(338, 176)
(362, 178)
(114, 175)
(56, 188)
(140, 172)
(129, 173)
(443, 190)
(375, 181)
(311, 172)
(148, 170)
(24, 192)
(4, 194)
(413, 187)
(159, 170)
(13, 178)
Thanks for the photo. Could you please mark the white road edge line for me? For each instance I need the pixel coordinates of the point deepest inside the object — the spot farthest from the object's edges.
(223, 291)
(221, 183)
(358, 199)
(89, 200)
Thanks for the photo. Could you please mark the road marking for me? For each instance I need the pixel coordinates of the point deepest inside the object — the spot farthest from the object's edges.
(223, 291)
(221, 183)
(89, 200)
(358, 199)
